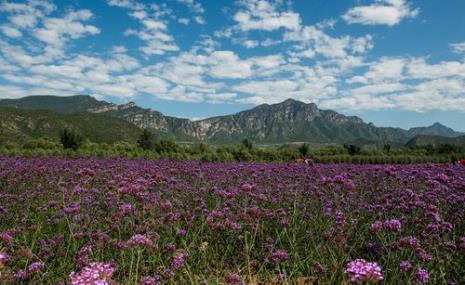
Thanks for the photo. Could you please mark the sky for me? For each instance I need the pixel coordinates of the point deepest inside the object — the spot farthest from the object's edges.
(395, 63)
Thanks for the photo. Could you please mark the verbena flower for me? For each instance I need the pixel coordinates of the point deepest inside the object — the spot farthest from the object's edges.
(361, 270)
(421, 276)
(4, 258)
(280, 256)
(178, 260)
(393, 225)
(36, 267)
(95, 273)
(376, 226)
(141, 240)
(150, 280)
(405, 265)
(235, 279)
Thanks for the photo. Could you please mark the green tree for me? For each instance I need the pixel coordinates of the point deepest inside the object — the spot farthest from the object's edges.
(387, 148)
(304, 149)
(247, 144)
(353, 149)
(145, 140)
(70, 139)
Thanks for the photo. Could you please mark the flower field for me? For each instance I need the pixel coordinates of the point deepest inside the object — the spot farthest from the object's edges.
(115, 221)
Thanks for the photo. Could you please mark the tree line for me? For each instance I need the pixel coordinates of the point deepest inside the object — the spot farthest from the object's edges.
(71, 143)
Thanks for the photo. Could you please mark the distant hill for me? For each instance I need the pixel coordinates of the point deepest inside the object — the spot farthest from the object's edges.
(436, 129)
(422, 140)
(288, 121)
(65, 105)
(25, 124)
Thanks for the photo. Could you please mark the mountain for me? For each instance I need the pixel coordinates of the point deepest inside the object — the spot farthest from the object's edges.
(436, 129)
(288, 121)
(65, 105)
(423, 140)
(24, 124)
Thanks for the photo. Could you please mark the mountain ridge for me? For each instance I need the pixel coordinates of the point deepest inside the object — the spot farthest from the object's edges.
(288, 121)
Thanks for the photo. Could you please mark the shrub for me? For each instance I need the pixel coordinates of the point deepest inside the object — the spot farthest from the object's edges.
(70, 139)
(145, 140)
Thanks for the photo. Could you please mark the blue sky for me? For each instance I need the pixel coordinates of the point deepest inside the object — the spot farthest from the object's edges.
(391, 62)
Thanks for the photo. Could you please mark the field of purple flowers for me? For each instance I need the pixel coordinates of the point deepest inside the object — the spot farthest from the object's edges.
(85, 221)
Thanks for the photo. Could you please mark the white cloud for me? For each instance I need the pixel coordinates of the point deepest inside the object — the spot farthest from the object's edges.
(381, 12)
(218, 98)
(311, 63)
(195, 7)
(385, 69)
(57, 31)
(11, 31)
(359, 102)
(264, 15)
(184, 21)
(154, 31)
(315, 41)
(250, 43)
(458, 47)
(438, 94)
(226, 64)
(26, 15)
(418, 68)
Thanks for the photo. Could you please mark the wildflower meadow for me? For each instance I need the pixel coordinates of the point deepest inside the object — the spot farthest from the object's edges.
(121, 221)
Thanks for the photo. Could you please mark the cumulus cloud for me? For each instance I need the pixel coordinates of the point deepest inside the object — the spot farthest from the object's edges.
(307, 62)
(264, 15)
(154, 29)
(381, 12)
(57, 31)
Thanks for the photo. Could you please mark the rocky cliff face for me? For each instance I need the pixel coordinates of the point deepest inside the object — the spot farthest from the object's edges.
(289, 121)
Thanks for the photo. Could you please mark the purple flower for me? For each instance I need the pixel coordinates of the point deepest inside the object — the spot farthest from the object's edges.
(3, 258)
(168, 273)
(423, 256)
(178, 260)
(181, 232)
(20, 275)
(280, 256)
(149, 280)
(36, 267)
(95, 273)
(409, 242)
(405, 265)
(462, 243)
(6, 239)
(246, 187)
(376, 226)
(235, 279)
(170, 247)
(141, 240)
(393, 225)
(421, 276)
(362, 271)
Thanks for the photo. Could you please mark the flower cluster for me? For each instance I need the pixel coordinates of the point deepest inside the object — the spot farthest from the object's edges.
(3, 258)
(36, 267)
(178, 260)
(280, 256)
(421, 276)
(393, 225)
(141, 240)
(361, 270)
(95, 273)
